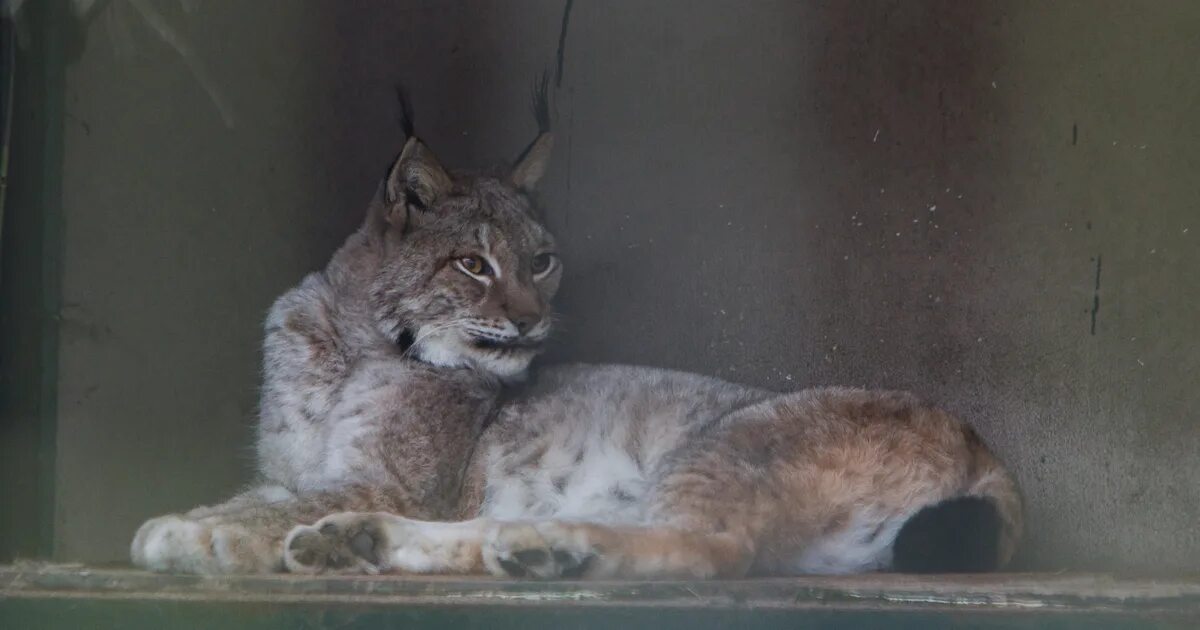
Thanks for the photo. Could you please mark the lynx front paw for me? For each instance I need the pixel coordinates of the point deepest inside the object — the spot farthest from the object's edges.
(542, 550)
(170, 543)
(177, 544)
(349, 542)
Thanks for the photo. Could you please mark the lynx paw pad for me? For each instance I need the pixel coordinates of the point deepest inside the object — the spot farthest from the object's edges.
(544, 551)
(340, 543)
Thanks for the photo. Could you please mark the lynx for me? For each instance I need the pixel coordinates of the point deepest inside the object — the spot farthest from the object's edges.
(399, 430)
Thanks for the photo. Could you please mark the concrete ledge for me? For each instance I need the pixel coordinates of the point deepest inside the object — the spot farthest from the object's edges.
(37, 595)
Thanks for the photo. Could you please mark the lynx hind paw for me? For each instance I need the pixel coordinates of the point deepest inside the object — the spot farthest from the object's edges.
(545, 551)
(349, 542)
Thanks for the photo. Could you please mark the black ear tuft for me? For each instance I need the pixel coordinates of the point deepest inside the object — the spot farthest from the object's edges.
(531, 165)
(406, 111)
(540, 102)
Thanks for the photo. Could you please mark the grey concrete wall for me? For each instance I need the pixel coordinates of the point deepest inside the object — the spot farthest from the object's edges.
(923, 195)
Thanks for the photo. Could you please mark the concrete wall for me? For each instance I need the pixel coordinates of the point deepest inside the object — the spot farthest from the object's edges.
(991, 203)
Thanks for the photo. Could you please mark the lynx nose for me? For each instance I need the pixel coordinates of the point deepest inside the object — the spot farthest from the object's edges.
(524, 322)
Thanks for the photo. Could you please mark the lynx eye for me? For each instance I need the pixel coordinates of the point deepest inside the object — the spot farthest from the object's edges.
(475, 266)
(542, 263)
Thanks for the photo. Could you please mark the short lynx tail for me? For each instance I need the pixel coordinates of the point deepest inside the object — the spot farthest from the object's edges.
(974, 532)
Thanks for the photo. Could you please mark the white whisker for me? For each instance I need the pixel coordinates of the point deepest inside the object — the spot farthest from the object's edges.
(425, 333)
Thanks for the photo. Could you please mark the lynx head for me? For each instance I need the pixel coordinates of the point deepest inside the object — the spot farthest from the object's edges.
(466, 270)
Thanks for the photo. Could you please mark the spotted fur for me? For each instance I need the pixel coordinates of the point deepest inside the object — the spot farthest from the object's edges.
(381, 371)
(384, 443)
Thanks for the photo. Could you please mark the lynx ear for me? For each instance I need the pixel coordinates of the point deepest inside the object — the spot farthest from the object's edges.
(532, 165)
(416, 180)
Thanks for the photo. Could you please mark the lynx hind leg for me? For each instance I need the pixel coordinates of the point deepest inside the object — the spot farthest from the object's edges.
(374, 542)
(553, 549)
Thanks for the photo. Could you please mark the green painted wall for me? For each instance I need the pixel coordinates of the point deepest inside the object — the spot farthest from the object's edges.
(29, 271)
(902, 194)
